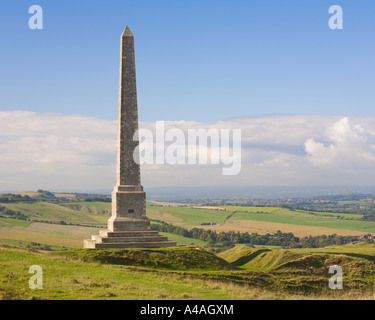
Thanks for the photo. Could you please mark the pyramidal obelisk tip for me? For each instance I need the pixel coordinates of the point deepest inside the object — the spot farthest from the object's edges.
(127, 32)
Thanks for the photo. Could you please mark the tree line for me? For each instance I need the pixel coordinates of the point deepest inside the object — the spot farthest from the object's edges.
(11, 213)
(44, 195)
(231, 238)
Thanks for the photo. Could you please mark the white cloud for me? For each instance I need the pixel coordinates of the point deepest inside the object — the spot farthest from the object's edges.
(72, 152)
(349, 146)
(54, 150)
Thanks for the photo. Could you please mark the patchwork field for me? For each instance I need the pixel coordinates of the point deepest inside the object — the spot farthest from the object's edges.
(186, 216)
(261, 227)
(60, 237)
(301, 223)
(45, 233)
(302, 218)
(259, 220)
(264, 220)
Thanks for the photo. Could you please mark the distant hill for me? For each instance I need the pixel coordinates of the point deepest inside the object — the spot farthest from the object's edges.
(200, 193)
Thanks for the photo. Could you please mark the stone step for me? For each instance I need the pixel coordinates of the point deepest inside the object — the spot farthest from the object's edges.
(113, 234)
(101, 239)
(91, 244)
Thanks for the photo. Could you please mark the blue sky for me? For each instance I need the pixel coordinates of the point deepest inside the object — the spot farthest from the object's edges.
(302, 94)
(195, 60)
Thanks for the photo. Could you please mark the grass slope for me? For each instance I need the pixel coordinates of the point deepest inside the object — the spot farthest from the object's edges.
(185, 273)
(95, 213)
(306, 270)
(178, 258)
(44, 233)
(66, 277)
(183, 240)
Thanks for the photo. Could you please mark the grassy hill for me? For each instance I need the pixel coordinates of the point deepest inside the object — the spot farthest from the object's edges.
(94, 213)
(177, 258)
(90, 274)
(187, 273)
(306, 270)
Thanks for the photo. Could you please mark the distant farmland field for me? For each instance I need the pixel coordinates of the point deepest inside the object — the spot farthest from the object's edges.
(23, 233)
(96, 213)
(186, 216)
(265, 220)
(259, 220)
(262, 227)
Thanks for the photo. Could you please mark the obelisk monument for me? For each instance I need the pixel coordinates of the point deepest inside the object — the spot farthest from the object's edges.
(128, 227)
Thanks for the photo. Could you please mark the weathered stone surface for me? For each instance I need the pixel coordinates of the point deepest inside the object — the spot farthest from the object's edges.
(128, 227)
(91, 244)
(128, 171)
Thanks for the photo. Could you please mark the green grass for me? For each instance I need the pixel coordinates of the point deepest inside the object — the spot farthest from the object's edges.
(195, 217)
(278, 259)
(186, 216)
(176, 273)
(306, 270)
(68, 278)
(234, 254)
(97, 208)
(251, 209)
(30, 244)
(10, 223)
(55, 235)
(187, 273)
(183, 240)
(304, 219)
(267, 247)
(176, 258)
(96, 213)
(288, 212)
(47, 233)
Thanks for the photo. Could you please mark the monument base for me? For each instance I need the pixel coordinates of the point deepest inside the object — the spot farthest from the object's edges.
(128, 239)
(128, 227)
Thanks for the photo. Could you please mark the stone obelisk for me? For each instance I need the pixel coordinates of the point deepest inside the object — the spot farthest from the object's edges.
(128, 227)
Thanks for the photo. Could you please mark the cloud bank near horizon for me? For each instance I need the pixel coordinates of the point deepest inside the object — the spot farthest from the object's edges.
(76, 152)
